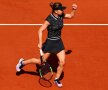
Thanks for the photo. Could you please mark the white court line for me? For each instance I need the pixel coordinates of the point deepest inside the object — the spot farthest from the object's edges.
(64, 24)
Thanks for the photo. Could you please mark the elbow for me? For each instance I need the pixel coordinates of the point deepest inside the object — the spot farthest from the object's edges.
(71, 16)
(39, 31)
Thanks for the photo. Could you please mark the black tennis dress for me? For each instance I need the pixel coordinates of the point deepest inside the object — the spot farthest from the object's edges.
(53, 43)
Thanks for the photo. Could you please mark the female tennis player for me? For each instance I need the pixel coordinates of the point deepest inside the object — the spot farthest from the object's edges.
(53, 44)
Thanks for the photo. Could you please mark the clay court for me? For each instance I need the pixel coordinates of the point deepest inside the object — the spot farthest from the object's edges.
(86, 66)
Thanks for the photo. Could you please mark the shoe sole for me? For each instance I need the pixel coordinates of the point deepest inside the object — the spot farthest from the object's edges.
(58, 85)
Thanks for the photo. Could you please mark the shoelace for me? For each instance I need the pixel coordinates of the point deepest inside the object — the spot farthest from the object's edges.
(21, 64)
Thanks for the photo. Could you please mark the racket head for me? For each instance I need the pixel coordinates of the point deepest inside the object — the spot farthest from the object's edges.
(46, 71)
(45, 83)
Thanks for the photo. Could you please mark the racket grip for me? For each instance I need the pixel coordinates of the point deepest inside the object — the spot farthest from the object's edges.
(41, 52)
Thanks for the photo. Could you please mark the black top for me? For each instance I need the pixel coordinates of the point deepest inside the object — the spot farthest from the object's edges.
(55, 27)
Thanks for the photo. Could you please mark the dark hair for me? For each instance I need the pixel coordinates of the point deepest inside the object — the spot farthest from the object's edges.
(51, 5)
(57, 6)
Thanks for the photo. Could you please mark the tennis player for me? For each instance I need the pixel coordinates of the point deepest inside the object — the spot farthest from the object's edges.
(53, 44)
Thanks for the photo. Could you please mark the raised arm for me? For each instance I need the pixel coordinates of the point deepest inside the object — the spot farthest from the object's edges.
(74, 8)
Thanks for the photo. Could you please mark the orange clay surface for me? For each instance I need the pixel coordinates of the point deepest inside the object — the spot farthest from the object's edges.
(86, 66)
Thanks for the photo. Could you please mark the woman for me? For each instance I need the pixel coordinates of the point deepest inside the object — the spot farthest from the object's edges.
(53, 43)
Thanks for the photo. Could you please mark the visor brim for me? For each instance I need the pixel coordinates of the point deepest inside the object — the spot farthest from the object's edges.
(61, 8)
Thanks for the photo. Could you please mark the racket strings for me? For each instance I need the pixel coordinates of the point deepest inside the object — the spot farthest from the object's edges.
(45, 83)
(48, 76)
(46, 71)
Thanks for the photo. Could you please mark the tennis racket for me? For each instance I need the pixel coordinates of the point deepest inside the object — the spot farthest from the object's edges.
(45, 70)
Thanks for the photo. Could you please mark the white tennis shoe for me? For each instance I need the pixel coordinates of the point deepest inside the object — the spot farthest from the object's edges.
(58, 83)
(19, 65)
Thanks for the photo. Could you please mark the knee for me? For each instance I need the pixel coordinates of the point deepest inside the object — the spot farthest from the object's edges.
(62, 63)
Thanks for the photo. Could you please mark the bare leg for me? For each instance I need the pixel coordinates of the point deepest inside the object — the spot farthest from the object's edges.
(34, 60)
(61, 57)
(23, 62)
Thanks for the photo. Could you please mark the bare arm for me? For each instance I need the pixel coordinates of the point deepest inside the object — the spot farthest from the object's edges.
(42, 28)
(71, 14)
(74, 7)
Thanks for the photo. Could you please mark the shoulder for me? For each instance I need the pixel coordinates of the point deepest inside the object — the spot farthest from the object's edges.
(48, 17)
(51, 18)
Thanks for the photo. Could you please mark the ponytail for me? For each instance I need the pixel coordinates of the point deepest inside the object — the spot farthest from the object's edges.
(51, 5)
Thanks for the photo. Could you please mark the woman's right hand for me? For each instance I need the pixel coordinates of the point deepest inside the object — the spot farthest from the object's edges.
(39, 45)
(74, 6)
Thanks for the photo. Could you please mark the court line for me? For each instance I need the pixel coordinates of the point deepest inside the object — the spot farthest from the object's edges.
(64, 24)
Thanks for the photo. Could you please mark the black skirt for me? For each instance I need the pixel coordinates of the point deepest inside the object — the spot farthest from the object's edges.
(53, 46)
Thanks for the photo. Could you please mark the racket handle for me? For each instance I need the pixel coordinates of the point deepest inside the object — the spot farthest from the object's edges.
(41, 52)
